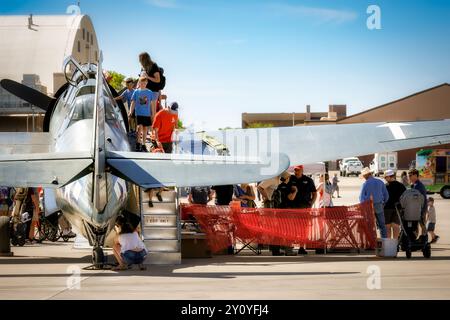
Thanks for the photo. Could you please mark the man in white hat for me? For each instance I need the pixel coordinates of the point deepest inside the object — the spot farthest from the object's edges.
(395, 190)
(376, 190)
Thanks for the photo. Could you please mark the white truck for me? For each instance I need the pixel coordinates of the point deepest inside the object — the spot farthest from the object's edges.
(349, 166)
(382, 162)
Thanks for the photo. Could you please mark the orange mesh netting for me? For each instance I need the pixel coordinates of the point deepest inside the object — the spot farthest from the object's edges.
(346, 227)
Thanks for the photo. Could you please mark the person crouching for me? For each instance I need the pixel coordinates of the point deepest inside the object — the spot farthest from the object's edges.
(128, 247)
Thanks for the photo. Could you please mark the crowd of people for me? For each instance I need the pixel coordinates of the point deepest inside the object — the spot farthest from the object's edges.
(26, 205)
(386, 196)
(299, 191)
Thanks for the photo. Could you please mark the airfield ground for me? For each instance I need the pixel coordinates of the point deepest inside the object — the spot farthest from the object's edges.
(46, 271)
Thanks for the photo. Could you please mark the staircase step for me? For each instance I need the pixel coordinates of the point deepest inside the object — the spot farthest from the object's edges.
(167, 196)
(159, 208)
(161, 228)
(159, 221)
(162, 245)
(153, 233)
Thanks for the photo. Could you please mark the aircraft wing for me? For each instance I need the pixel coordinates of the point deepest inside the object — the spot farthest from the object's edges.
(50, 170)
(186, 170)
(25, 142)
(310, 144)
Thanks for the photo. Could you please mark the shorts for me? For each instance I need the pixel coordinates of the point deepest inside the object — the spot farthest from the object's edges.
(145, 121)
(167, 146)
(431, 226)
(155, 96)
(390, 216)
(133, 257)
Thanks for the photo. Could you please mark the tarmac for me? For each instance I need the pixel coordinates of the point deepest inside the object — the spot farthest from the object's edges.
(58, 271)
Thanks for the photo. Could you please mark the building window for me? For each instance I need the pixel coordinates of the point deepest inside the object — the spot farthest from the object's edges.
(84, 31)
(96, 56)
(88, 36)
(79, 46)
(92, 40)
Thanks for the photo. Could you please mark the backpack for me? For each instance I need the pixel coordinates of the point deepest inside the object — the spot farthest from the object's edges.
(277, 198)
(200, 195)
(162, 78)
(412, 201)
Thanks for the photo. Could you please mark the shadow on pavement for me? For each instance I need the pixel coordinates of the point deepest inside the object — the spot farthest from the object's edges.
(169, 272)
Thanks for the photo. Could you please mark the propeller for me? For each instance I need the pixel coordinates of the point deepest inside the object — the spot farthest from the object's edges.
(28, 94)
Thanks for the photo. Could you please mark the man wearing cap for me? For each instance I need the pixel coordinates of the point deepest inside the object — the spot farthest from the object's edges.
(164, 124)
(303, 190)
(302, 194)
(413, 175)
(376, 190)
(395, 190)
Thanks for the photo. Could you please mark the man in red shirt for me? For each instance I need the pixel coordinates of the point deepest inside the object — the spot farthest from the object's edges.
(165, 122)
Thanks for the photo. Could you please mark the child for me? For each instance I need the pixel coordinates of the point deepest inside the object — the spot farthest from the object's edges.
(431, 219)
(126, 97)
(142, 102)
(128, 247)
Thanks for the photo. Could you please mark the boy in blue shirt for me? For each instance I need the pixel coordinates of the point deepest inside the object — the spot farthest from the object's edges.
(143, 104)
(126, 97)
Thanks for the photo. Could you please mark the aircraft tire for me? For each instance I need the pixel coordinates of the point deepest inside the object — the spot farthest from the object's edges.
(98, 257)
(5, 233)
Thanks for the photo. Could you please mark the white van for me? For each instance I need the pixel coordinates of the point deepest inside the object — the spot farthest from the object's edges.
(382, 162)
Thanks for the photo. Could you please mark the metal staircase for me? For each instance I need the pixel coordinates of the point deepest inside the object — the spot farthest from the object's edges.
(161, 227)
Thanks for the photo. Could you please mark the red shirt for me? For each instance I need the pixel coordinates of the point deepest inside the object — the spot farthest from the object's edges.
(165, 121)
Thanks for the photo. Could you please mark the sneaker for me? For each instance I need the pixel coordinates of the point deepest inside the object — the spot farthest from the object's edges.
(158, 195)
(144, 148)
(302, 251)
(435, 239)
(150, 203)
(69, 234)
(142, 267)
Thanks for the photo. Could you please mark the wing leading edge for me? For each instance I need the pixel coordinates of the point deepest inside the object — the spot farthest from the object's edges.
(49, 170)
(156, 170)
(310, 144)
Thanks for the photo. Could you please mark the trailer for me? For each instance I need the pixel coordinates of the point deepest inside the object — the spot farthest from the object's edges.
(434, 170)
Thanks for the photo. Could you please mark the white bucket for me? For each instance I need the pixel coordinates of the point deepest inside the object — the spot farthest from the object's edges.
(387, 247)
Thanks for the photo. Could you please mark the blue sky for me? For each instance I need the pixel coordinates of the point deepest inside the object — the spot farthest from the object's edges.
(222, 58)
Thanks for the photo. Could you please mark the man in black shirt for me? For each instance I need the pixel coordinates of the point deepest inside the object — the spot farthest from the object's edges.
(224, 194)
(302, 194)
(395, 190)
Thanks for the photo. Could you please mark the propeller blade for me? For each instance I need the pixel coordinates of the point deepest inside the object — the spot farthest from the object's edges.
(26, 93)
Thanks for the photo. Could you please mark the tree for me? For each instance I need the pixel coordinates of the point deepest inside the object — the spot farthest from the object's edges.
(260, 125)
(116, 80)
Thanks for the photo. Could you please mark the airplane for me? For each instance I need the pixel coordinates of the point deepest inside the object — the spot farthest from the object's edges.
(84, 154)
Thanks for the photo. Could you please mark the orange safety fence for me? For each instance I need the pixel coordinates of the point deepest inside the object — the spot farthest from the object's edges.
(343, 227)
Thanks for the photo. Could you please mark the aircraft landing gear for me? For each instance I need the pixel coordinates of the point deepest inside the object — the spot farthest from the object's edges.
(98, 257)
